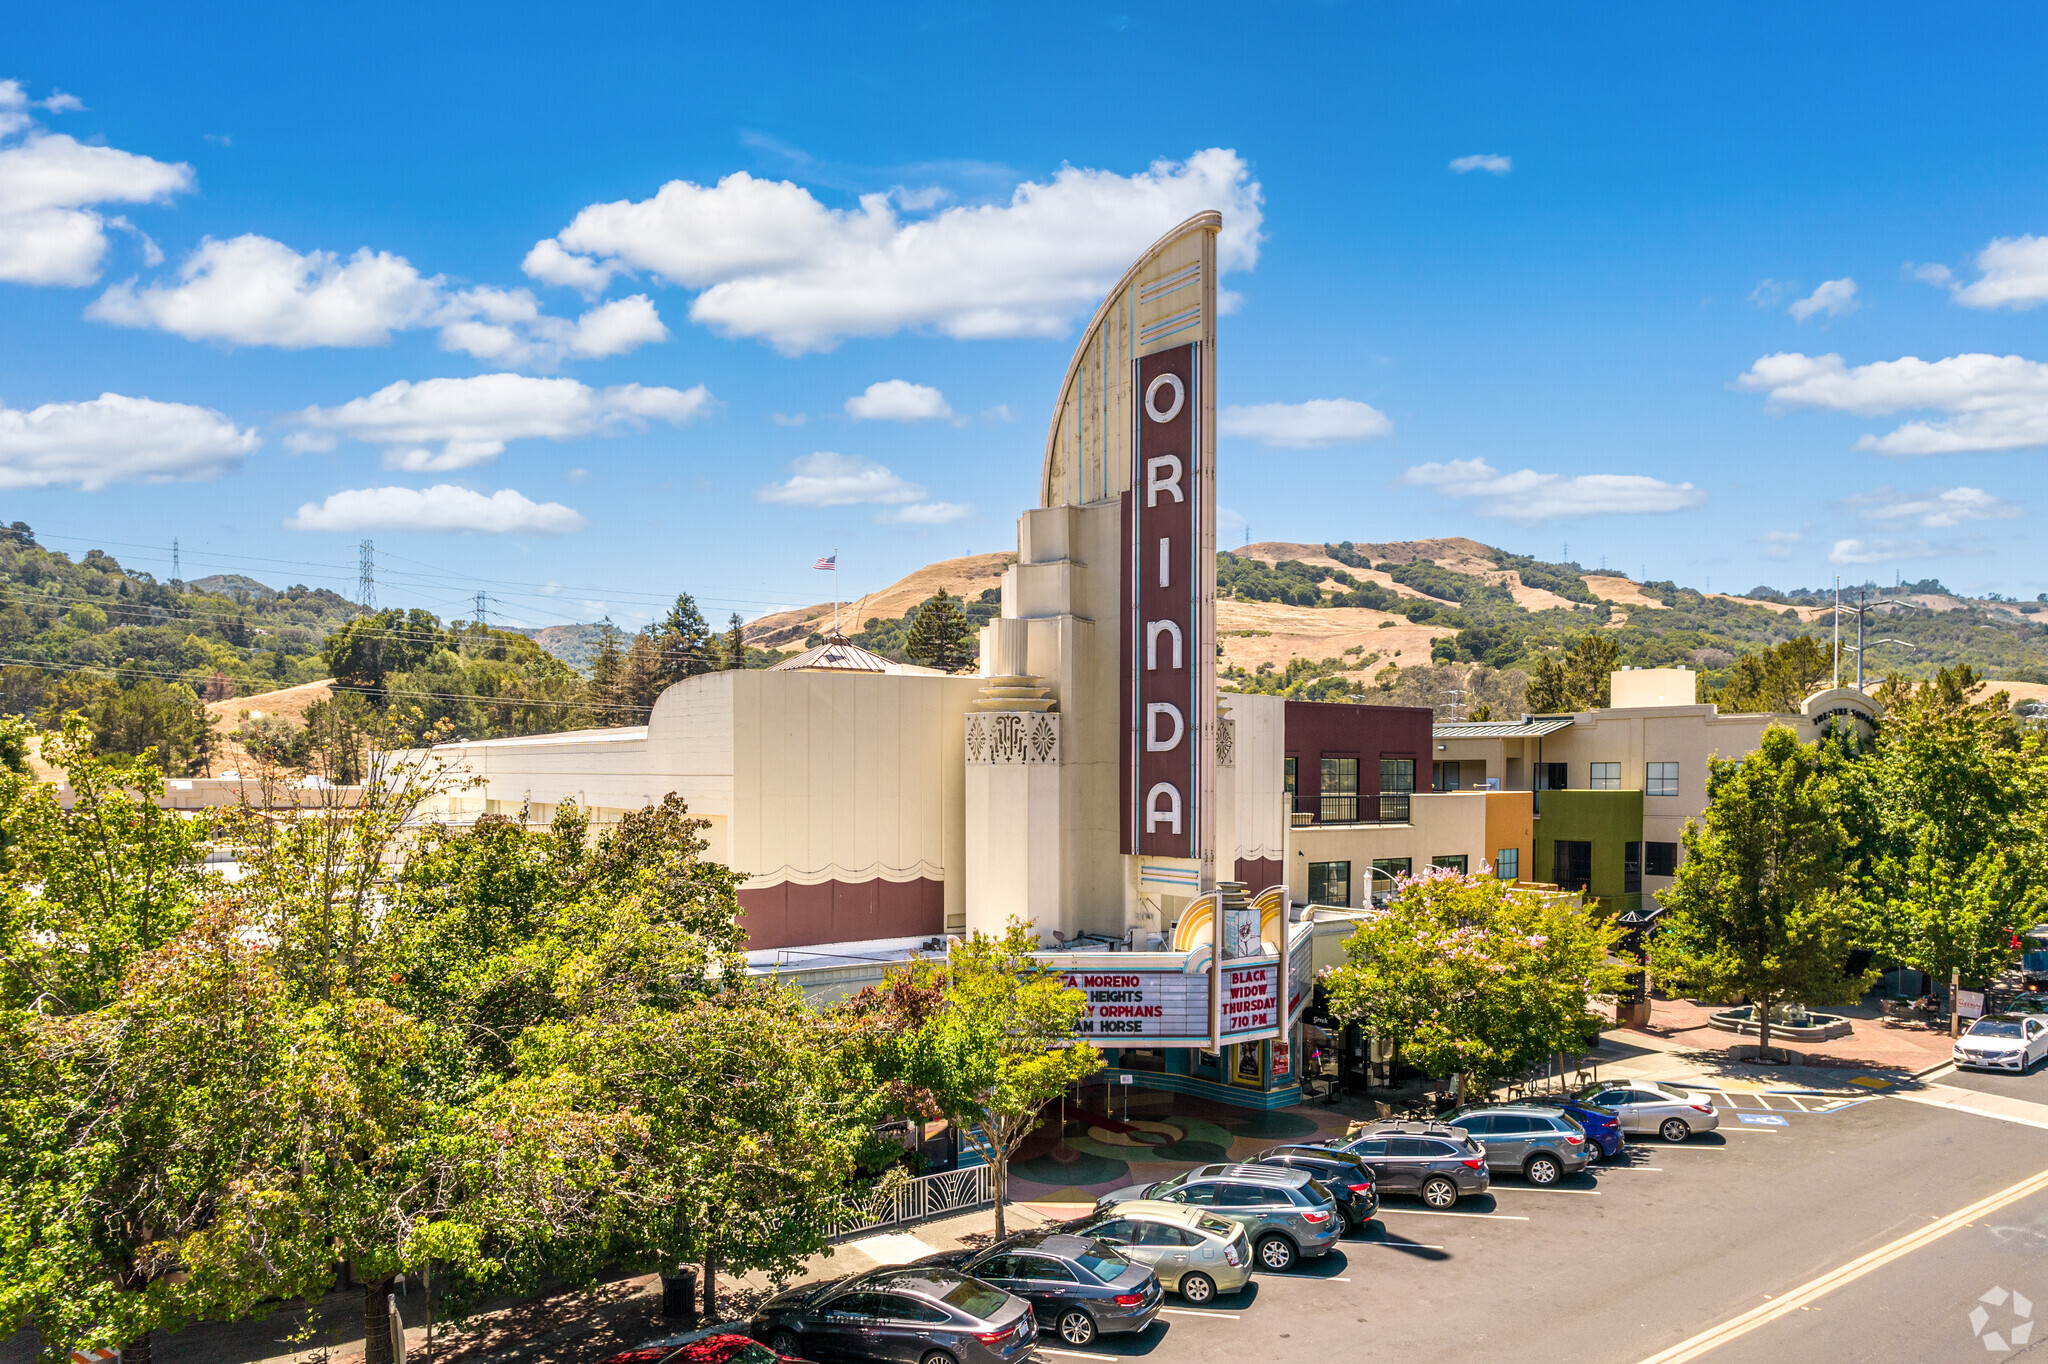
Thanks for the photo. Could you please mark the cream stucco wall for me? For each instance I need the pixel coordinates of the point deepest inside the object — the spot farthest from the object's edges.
(1445, 824)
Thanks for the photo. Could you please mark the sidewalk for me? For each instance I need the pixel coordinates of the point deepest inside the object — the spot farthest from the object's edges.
(1679, 1047)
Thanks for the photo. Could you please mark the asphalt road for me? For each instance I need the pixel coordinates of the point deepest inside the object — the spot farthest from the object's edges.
(1647, 1253)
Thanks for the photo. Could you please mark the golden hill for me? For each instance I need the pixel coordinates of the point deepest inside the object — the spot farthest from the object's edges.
(968, 577)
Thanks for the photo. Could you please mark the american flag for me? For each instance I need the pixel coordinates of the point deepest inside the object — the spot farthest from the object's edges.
(830, 562)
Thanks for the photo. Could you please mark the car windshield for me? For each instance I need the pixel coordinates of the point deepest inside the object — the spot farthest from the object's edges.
(1168, 1185)
(975, 1298)
(1104, 1263)
(1995, 1027)
(2035, 961)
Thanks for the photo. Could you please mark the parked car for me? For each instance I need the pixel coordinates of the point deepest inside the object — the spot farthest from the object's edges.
(1646, 1106)
(1602, 1125)
(2034, 968)
(2026, 1004)
(1438, 1164)
(924, 1315)
(1078, 1286)
(1348, 1178)
(1541, 1145)
(2003, 1041)
(1194, 1252)
(720, 1348)
(1287, 1214)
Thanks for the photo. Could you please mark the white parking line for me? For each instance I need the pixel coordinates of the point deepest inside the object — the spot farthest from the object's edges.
(1509, 1188)
(1073, 1354)
(1793, 1099)
(1395, 1245)
(1653, 1169)
(1186, 1312)
(1488, 1216)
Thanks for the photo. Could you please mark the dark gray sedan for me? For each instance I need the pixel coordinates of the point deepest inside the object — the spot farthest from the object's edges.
(918, 1315)
(1079, 1286)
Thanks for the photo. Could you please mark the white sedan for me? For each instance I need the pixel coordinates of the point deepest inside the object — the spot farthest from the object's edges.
(1645, 1106)
(2003, 1042)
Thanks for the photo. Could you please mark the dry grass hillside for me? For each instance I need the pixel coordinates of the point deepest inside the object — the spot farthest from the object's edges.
(968, 577)
(290, 704)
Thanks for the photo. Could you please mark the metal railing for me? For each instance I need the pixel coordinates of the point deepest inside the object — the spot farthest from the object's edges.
(1393, 809)
(913, 1200)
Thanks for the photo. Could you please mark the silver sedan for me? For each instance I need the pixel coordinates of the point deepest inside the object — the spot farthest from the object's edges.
(1646, 1106)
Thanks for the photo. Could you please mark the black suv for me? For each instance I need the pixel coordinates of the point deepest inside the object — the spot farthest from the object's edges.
(1347, 1177)
(1439, 1163)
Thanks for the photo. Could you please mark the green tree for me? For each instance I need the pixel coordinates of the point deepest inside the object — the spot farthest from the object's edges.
(685, 641)
(938, 637)
(1475, 979)
(607, 670)
(1776, 678)
(996, 1052)
(1951, 806)
(1761, 907)
(368, 649)
(1581, 680)
(735, 642)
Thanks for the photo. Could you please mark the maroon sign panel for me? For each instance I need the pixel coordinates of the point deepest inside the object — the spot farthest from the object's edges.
(1162, 592)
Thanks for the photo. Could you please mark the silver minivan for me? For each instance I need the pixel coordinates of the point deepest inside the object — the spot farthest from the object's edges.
(1286, 1213)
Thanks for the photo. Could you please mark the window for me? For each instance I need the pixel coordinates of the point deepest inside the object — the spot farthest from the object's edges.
(1340, 791)
(1572, 864)
(1454, 863)
(1438, 1150)
(897, 1307)
(1242, 1196)
(858, 1306)
(1478, 1124)
(1397, 776)
(1043, 1269)
(1404, 1146)
(1660, 859)
(1392, 866)
(1329, 883)
(1370, 1148)
(1446, 777)
(1605, 777)
(1123, 1229)
(1550, 776)
(1631, 868)
(1660, 779)
(1507, 864)
(1293, 778)
(975, 1299)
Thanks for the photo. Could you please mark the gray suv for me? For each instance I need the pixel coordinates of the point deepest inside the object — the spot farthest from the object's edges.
(1286, 1213)
(1439, 1163)
(1541, 1145)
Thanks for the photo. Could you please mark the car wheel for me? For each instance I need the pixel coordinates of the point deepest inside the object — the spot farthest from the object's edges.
(1674, 1130)
(1077, 1327)
(1197, 1288)
(1440, 1191)
(786, 1343)
(1276, 1254)
(1542, 1170)
(938, 1357)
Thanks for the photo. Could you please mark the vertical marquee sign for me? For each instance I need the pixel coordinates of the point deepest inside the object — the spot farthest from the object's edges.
(1166, 642)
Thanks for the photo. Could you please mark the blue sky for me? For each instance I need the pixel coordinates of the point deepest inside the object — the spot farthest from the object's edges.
(570, 306)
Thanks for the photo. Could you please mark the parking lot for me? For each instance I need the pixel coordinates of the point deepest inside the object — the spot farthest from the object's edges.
(1644, 1253)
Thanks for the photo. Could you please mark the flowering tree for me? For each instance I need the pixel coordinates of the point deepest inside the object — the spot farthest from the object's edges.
(1473, 978)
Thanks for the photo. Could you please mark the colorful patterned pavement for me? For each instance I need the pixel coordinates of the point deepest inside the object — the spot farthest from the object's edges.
(1165, 1133)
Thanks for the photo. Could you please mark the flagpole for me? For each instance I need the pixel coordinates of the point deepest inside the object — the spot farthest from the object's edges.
(835, 589)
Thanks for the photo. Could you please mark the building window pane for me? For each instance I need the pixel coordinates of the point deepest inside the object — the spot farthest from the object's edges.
(1507, 864)
(1392, 866)
(1329, 883)
(1447, 777)
(1660, 779)
(1550, 777)
(1660, 859)
(1605, 777)
(1572, 864)
(1631, 867)
(1340, 791)
(1291, 777)
(1397, 776)
(1454, 863)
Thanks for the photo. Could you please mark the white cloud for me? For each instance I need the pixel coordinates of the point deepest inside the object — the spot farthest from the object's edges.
(1780, 544)
(898, 400)
(550, 264)
(507, 327)
(1996, 402)
(1768, 292)
(51, 231)
(2013, 273)
(114, 439)
(1892, 551)
(775, 264)
(470, 420)
(442, 508)
(1492, 165)
(1529, 496)
(1313, 425)
(925, 514)
(1936, 508)
(826, 479)
(1000, 414)
(1930, 274)
(253, 291)
(789, 418)
(1834, 297)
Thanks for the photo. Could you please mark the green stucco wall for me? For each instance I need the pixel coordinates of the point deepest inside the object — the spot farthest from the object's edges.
(1606, 819)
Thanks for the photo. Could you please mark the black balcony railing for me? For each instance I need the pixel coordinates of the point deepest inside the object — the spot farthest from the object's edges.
(1351, 809)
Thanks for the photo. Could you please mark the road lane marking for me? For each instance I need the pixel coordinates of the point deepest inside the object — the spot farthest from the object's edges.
(1490, 1216)
(1814, 1289)
(1187, 1312)
(1982, 1104)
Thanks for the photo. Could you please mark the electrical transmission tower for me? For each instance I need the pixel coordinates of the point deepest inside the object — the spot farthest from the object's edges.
(480, 608)
(366, 575)
(177, 572)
